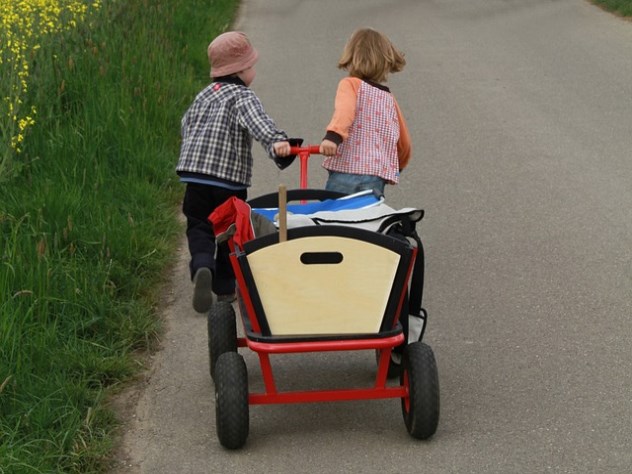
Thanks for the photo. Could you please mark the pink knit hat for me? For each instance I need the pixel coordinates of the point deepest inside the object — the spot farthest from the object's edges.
(231, 52)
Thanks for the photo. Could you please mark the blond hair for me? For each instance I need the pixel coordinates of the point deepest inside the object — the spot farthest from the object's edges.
(370, 55)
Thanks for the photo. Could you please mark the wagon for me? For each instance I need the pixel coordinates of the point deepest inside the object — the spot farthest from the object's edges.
(331, 286)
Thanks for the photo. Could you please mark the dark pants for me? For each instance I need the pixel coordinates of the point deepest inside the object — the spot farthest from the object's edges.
(200, 200)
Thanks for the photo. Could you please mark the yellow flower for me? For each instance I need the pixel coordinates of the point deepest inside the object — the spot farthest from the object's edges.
(23, 23)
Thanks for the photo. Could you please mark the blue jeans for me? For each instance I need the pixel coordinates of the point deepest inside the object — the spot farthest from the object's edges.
(354, 183)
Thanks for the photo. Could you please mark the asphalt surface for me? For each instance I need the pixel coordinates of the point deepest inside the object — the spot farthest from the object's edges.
(521, 118)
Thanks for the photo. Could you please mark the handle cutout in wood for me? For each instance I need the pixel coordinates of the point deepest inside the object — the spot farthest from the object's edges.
(321, 258)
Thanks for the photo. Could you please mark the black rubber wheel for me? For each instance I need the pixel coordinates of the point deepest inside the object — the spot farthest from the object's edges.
(222, 332)
(420, 376)
(231, 400)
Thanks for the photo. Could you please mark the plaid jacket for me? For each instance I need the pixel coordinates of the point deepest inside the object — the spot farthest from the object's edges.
(217, 132)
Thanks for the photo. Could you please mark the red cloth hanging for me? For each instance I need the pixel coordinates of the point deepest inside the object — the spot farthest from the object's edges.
(237, 211)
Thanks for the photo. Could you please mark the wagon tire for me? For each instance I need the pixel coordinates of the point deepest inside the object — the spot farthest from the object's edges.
(419, 374)
(231, 400)
(222, 332)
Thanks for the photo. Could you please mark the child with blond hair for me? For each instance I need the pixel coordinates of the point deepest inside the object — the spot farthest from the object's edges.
(367, 142)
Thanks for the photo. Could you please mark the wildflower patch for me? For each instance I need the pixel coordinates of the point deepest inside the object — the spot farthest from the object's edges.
(23, 26)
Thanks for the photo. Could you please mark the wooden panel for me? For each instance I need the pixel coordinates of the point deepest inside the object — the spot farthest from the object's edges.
(342, 296)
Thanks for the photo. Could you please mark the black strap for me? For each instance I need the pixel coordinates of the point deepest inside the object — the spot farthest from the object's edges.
(404, 226)
(417, 279)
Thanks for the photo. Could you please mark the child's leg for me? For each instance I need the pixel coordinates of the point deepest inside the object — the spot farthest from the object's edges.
(199, 201)
(224, 283)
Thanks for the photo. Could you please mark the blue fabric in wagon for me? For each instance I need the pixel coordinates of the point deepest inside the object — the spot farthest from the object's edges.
(362, 210)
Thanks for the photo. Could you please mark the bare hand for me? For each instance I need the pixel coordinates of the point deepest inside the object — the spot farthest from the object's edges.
(328, 148)
(281, 148)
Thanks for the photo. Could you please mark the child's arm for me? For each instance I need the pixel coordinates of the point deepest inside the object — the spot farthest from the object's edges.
(260, 125)
(404, 147)
(344, 114)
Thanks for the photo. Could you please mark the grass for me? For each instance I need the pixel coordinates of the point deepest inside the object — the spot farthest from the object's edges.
(88, 220)
(620, 7)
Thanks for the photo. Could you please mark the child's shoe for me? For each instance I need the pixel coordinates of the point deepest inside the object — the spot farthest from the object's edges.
(202, 290)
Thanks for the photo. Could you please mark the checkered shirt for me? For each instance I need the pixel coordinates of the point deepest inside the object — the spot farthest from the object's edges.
(218, 129)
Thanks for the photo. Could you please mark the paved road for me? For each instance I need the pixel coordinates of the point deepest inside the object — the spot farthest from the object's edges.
(521, 118)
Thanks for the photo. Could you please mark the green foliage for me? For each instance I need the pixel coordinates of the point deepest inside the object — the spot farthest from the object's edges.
(88, 222)
(621, 7)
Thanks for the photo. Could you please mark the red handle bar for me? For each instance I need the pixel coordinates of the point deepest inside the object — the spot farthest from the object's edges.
(309, 149)
(303, 153)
